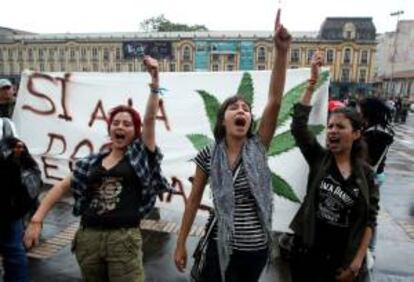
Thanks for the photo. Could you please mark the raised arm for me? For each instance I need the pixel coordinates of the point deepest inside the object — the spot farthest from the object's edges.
(304, 138)
(317, 62)
(193, 203)
(32, 234)
(148, 129)
(268, 123)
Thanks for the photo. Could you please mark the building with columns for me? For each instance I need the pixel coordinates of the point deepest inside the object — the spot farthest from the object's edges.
(349, 45)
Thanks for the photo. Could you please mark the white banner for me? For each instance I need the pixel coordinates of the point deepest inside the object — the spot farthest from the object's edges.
(61, 117)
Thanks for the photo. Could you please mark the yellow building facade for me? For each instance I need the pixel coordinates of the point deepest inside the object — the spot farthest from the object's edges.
(348, 44)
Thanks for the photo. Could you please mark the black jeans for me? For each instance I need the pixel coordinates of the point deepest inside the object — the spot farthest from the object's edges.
(243, 267)
(314, 265)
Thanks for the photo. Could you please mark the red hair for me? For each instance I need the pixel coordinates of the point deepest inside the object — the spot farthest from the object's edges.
(136, 118)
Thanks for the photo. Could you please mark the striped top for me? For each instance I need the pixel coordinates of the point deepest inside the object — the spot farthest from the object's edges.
(248, 231)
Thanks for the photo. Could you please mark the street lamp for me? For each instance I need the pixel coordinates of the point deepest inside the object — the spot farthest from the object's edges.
(394, 51)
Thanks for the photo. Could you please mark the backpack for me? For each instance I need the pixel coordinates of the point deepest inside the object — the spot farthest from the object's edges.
(20, 180)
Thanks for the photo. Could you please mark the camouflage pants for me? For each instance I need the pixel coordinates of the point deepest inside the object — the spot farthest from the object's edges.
(109, 255)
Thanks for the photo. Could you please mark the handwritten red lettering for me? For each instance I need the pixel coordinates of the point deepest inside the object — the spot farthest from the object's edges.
(34, 92)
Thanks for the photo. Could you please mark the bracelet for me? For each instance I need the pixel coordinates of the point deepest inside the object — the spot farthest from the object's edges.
(154, 89)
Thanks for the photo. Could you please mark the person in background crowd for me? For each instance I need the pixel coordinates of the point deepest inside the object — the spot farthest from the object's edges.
(398, 109)
(15, 201)
(7, 98)
(377, 132)
(113, 191)
(241, 244)
(334, 225)
(379, 136)
(404, 110)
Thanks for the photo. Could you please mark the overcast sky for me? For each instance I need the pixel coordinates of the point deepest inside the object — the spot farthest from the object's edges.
(51, 16)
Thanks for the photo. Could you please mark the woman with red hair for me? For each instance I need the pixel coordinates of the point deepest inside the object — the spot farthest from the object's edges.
(113, 191)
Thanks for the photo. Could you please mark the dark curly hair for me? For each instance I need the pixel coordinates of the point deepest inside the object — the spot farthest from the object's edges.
(376, 112)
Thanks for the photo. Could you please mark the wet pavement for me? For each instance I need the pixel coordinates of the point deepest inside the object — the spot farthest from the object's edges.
(395, 248)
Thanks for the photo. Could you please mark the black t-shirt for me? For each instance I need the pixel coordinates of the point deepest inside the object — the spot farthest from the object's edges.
(113, 197)
(335, 211)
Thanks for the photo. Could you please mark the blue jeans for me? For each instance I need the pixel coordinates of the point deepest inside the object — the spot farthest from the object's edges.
(13, 252)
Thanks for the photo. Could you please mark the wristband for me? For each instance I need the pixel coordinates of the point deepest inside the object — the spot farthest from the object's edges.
(154, 89)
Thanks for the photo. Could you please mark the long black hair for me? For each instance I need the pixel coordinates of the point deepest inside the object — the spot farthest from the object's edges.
(359, 147)
(219, 130)
(376, 112)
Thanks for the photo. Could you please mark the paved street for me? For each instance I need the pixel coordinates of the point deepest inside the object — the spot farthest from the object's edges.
(395, 248)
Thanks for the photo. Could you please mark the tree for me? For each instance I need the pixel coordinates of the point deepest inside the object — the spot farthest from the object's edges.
(160, 23)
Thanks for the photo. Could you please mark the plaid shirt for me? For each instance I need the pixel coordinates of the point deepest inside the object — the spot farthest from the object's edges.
(152, 181)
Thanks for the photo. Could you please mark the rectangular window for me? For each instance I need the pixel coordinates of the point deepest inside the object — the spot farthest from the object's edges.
(61, 54)
(106, 55)
(329, 56)
(72, 54)
(230, 67)
(309, 56)
(172, 67)
(294, 56)
(362, 76)
(215, 67)
(345, 75)
(83, 53)
(364, 57)
(95, 53)
(186, 68)
(347, 56)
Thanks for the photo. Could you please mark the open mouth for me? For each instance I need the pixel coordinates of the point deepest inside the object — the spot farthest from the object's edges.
(239, 121)
(119, 136)
(334, 140)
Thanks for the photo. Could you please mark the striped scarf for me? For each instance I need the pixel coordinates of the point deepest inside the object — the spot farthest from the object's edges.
(258, 174)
